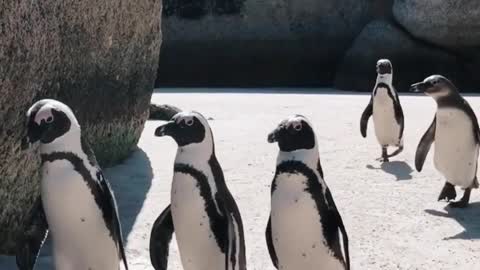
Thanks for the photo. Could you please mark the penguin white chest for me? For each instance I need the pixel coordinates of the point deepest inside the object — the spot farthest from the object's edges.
(296, 227)
(80, 237)
(387, 130)
(456, 151)
(196, 241)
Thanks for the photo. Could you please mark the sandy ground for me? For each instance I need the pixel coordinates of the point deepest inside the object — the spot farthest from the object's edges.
(390, 211)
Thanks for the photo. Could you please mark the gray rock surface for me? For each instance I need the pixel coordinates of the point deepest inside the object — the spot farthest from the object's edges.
(257, 41)
(443, 22)
(412, 60)
(162, 112)
(99, 57)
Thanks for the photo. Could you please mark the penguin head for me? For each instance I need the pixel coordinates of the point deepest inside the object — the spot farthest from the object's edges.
(435, 86)
(384, 71)
(292, 134)
(48, 121)
(384, 66)
(186, 128)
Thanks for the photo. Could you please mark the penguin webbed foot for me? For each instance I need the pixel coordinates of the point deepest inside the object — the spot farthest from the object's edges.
(448, 193)
(384, 157)
(463, 202)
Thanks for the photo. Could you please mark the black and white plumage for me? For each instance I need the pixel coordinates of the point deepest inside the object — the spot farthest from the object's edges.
(387, 112)
(304, 228)
(456, 134)
(76, 204)
(203, 214)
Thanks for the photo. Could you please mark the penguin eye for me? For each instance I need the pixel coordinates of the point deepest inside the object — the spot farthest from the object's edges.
(49, 119)
(297, 126)
(189, 122)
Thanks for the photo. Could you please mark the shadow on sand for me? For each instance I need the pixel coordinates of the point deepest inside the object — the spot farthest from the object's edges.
(468, 217)
(400, 169)
(131, 181)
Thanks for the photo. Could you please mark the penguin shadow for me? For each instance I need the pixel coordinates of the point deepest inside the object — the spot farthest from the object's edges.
(400, 169)
(130, 182)
(468, 217)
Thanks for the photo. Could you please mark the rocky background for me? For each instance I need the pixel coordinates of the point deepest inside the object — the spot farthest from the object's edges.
(318, 43)
(98, 57)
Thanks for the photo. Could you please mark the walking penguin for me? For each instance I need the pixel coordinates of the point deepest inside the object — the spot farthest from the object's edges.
(76, 205)
(387, 112)
(202, 213)
(456, 134)
(304, 227)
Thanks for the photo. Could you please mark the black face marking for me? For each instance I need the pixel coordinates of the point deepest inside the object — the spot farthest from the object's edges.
(217, 222)
(328, 214)
(49, 129)
(293, 137)
(185, 132)
(384, 68)
(435, 84)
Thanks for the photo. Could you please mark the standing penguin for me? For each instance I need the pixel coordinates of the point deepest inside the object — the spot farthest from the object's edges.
(387, 112)
(304, 227)
(203, 213)
(76, 203)
(457, 136)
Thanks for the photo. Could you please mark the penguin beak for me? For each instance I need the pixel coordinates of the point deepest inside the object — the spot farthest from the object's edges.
(273, 136)
(165, 130)
(34, 134)
(420, 87)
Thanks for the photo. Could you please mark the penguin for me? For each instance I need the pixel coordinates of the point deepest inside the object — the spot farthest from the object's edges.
(387, 112)
(76, 204)
(202, 212)
(456, 134)
(304, 227)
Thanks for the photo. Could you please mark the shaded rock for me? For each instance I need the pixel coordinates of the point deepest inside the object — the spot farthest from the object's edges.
(443, 22)
(250, 42)
(99, 57)
(162, 112)
(412, 60)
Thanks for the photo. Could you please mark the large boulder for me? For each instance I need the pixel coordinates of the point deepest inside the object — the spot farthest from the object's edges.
(412, 60)
(99, 57)
(443, 22)
(257, 42)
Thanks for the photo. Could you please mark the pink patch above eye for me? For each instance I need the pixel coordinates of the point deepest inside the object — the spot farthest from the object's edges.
(45, 115)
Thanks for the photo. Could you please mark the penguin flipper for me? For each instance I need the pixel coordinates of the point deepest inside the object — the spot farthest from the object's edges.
(234, 259)
(160, 238)
(365, 116)
(341, 226)
(116, 227)
(271, 248)
(35, 233)
(471, 113)
(399, 115)
(424, 145)
(102, 189)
